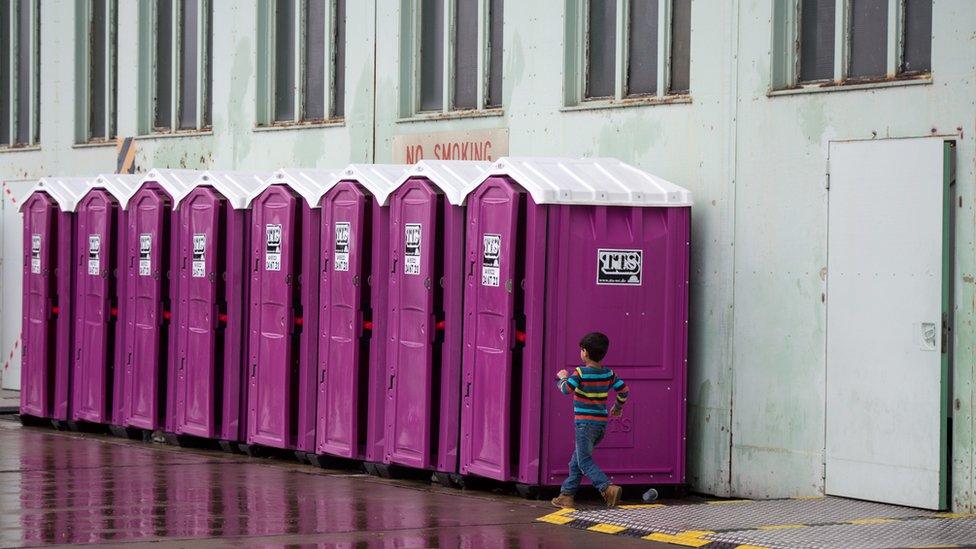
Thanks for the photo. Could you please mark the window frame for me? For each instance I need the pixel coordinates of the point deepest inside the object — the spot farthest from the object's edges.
(83, 61)
(786, 50)
(577, 70)
(267, 49)
(13, 93)
(148, 91)
(410, 72)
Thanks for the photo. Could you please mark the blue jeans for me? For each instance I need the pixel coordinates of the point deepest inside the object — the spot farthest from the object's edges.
(587, 437)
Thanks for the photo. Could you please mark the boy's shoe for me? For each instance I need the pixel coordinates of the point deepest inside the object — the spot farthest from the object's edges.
(612, 494)
(564, 501)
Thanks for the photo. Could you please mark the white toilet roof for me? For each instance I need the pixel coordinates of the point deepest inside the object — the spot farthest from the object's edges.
(452, 177)
(65, 191)
(587, 181)
(235, 186)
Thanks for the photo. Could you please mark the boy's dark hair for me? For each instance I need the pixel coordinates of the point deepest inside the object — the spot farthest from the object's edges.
(596, 345)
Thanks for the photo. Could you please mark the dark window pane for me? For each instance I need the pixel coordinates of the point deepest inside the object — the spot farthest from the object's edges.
(23, 70)
(339, 80)
(817, 40)
(190, 21)
(918, 36)
(315, 36)
(642, 57)
(284, 107)
(164, 62)
(5, 106)
(869, 38)
(496, 37)
(208, 59)
(432, 55)
(602, 50)
(466, 54)
(98, 68)
(680, 46)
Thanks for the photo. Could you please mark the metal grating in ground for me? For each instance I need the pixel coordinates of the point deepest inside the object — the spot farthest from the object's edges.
(816, 522)
(744, 515)
(929, 532)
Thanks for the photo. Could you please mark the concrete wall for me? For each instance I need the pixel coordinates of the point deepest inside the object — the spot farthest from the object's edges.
(755, 163)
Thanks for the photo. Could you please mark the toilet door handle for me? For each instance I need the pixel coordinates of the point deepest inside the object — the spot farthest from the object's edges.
(390, 386)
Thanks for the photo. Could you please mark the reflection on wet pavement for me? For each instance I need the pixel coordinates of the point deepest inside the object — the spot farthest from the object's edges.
(59, 488)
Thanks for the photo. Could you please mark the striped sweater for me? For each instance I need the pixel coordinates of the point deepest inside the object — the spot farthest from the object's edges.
(589, 387)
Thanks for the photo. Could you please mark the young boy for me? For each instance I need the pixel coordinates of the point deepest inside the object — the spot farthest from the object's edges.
(589, 385)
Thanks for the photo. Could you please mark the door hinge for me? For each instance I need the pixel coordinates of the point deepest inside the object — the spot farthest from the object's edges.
(828, 181)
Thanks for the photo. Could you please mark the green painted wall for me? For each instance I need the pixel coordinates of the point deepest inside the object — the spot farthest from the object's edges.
(755, 163)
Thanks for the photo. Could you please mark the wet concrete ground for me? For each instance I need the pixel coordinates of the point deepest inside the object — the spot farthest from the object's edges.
(68, 488)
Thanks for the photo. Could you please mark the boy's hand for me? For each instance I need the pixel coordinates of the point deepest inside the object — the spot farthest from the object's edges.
(616, 411)
(563, 374)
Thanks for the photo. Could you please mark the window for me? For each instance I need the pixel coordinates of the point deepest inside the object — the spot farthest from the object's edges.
(179, 83)
(452, 60)
(97, 28)
(619, 49)
(19, 75)
(304, 61)
(850, 41)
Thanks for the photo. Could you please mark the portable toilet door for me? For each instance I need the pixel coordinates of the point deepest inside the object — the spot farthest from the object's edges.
(98, 334)
(425, 293)
(149, 295)
(48, 214)
(574, 246)
(282, 347)
(211, 226)
(352, 304)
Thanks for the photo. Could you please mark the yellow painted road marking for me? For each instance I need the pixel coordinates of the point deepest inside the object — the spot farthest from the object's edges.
(728, 501)
(642, 506)
(955, 515)
(691, 538)
(749, 547)
(559, 517)
(607, 528)
(809, 497)
(782, 526)
(871, 521)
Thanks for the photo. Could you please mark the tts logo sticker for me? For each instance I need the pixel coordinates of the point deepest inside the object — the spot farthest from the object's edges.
(342, 233)
(619, 267)
(490, 259)
(36, 254)
(272, 249)
(199, 269)
(94, 259)
(145, 254)
(411, 248)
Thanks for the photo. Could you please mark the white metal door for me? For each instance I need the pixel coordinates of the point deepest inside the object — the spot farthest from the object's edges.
(886, 392)
(11, 275)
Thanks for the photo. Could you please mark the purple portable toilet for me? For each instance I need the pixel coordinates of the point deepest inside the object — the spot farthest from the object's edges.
(425, 293)
(557, 248)
(149, 295)
(352, 320)
(283, 319)
(97, 368)
(49, 216)
(210, 318)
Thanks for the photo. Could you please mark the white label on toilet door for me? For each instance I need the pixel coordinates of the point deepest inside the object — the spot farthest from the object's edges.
(491, 260)
(619, 267)
(272, 250)
(411, 249)
(199, 268)
(342, 234)
(94, 249)
(145, 254)
(36, 253)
